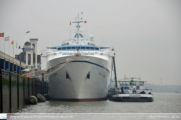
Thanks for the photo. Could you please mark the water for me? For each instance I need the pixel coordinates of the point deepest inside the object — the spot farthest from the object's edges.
(165, 105)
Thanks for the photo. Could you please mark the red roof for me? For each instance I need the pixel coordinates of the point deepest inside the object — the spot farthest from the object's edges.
(28, 76)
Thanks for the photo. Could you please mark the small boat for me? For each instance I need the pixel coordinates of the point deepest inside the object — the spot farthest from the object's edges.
(130, 90)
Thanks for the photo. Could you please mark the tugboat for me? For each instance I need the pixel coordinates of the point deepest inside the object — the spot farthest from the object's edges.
(130, 90)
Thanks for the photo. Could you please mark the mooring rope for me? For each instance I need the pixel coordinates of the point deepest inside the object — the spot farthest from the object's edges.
(48, 74)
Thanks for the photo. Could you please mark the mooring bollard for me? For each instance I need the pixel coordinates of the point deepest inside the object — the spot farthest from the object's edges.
(1, 92)
(9, 91)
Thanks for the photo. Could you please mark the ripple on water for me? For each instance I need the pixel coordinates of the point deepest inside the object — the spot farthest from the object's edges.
(163, 103)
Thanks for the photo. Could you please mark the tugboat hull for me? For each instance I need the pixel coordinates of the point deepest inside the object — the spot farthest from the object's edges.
(133, 98)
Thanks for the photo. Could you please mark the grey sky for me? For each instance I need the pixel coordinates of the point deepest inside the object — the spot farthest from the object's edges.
(146, 34)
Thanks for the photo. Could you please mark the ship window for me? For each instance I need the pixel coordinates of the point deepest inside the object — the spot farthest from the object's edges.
(96, 48)
(87, 48)
(92, 48)
(68, 48)
(59, 48)
(82, 47)
(64, 48)
(73, 47)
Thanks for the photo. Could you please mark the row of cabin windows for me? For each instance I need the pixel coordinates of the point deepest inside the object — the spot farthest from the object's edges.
(81, 48)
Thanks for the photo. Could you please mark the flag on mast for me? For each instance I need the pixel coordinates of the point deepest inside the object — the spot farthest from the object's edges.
(70, 22)
(19, 47)
(12, 42)
(7, 38)
(1, 34)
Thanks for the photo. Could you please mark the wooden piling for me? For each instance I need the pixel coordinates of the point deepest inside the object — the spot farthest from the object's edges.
(32, 87)
(10, 92)
(18, 90)
(35, 87)
(1, 92)
(45, 89)
(23, 90)
(28, 87)
(41, 87)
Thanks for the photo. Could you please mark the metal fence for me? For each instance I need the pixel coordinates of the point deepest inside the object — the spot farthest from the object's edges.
(15, 89)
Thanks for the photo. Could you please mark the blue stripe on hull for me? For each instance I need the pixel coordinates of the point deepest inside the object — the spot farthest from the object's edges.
(86, 62)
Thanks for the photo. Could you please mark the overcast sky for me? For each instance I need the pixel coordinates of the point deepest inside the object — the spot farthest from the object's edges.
(146, 34)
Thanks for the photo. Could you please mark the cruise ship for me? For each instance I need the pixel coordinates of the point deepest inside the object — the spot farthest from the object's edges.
(78, 70)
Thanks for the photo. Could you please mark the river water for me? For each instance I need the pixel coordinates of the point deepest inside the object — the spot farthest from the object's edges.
(165, 104)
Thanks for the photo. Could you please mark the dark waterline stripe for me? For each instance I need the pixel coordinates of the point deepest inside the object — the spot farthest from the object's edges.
(78, 100)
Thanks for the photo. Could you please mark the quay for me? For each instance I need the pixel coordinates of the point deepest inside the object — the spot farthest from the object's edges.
(14, 87)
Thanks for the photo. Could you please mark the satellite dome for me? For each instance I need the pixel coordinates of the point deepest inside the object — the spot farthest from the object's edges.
(27, 44)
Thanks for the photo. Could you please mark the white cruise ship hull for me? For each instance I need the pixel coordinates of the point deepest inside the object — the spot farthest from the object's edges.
(78, 87)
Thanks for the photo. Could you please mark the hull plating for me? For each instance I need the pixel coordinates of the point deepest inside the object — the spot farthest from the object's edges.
(77, 87)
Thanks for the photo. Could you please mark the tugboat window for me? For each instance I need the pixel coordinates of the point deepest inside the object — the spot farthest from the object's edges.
(87, 48)
(137, 84)
(141, 83)
(133, 83)
(126, 83)
(126, 92)
(73, 47)
(59, 48)
(120, 83)
(92, 48)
